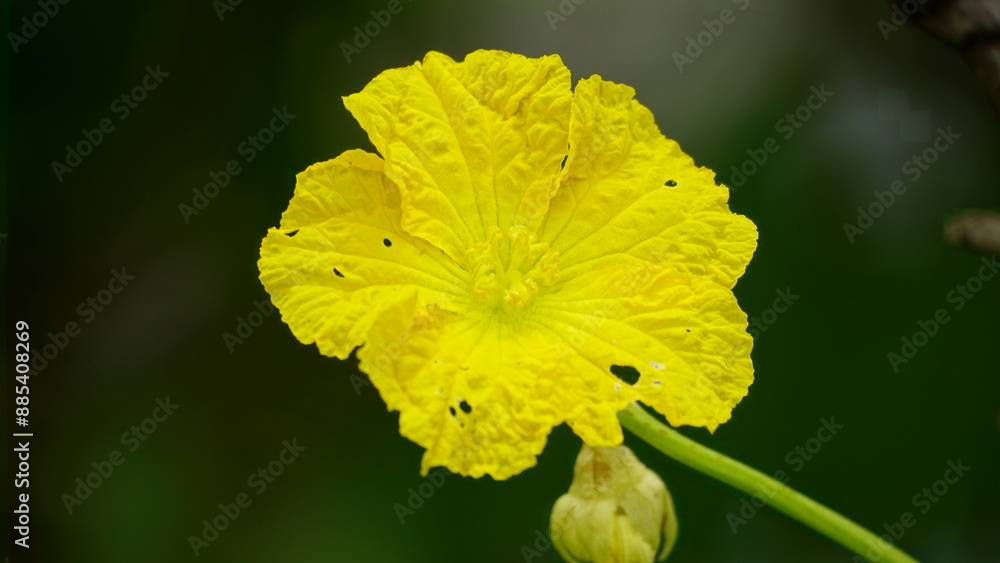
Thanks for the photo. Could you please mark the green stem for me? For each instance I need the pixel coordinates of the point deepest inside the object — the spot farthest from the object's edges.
(749, 480)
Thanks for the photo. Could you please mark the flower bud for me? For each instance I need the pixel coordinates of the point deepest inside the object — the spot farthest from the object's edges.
(617, 510)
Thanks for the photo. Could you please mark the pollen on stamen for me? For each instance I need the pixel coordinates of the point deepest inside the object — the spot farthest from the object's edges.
(516, 281)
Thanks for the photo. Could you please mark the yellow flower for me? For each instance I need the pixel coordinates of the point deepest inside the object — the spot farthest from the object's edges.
(617, 510)
(514, 241)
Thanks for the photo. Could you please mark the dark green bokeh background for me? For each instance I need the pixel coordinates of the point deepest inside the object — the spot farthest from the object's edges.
(162, 336)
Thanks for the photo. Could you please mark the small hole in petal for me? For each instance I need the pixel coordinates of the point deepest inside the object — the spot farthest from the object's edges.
(451, 410)
(670, 183)
(292, 233)
(687, 329)
(336, 271)
(387, 242)
(466, 408)
(628, 374)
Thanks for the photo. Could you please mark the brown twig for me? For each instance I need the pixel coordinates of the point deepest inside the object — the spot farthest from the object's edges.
(979, 230)
(972, 27)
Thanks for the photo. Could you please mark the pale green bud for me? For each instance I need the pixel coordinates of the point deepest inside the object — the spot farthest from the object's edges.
(617, 510)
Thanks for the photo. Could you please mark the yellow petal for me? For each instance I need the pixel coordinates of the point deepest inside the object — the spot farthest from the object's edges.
(340, 257)
(686, 336)
(472, 145)
(481, 394)
(628, 192)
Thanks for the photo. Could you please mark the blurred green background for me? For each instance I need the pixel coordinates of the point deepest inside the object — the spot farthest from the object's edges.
(162, 336)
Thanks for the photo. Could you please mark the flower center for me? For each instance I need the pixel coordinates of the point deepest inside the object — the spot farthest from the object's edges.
(511, 269)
